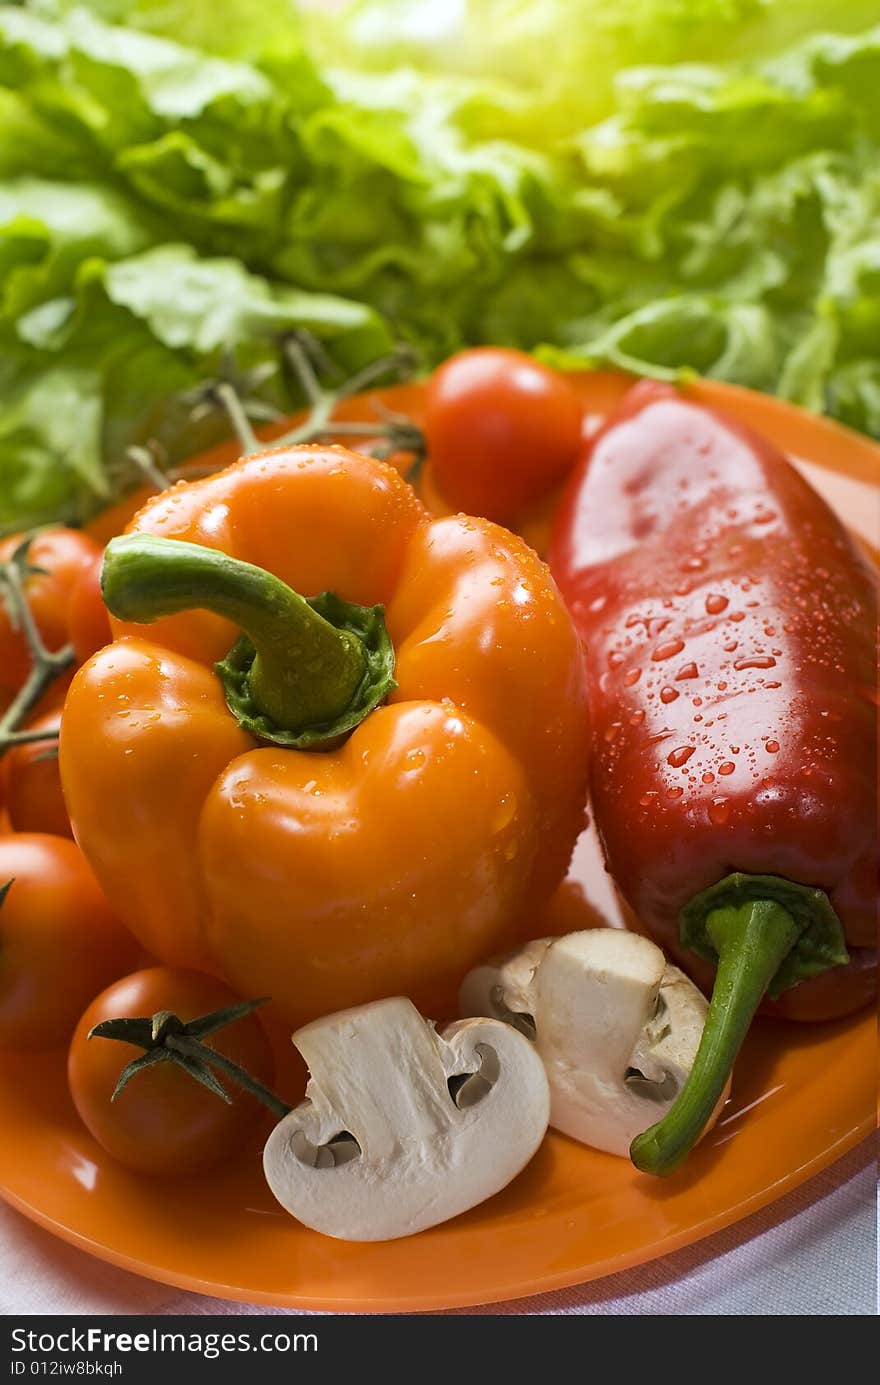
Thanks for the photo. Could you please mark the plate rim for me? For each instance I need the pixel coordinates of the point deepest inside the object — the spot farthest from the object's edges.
(550, 1283)
(779, 414)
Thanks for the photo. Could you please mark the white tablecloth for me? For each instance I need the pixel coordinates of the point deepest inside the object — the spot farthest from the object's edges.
(812, 1252)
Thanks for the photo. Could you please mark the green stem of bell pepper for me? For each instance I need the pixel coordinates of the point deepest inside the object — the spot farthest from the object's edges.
(307, 671)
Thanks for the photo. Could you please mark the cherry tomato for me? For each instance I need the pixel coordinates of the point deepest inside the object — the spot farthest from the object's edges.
(501, 431)
(88, 621)
(61, 554)
(59, 942)
(164, 1122)
(34, 800)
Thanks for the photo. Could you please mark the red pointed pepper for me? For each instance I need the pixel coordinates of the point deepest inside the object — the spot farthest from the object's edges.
(728, 623)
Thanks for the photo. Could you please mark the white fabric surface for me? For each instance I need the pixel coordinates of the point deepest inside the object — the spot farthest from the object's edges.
(813, 1252)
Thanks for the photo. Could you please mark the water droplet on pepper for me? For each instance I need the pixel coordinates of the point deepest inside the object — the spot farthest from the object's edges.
(667, 649)
(755, 661)
(680, 756)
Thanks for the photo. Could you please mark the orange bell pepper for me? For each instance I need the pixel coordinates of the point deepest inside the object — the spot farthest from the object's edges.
(268, 820)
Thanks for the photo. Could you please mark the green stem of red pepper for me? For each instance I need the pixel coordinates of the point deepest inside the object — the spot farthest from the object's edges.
(752, 940)
(307, 670)
(765, 934)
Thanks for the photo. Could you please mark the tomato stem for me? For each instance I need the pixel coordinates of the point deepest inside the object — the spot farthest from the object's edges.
(192, 1048)
(167, 1039)
(300, 351)
(46, 665)
(401, 433)
(144, 459)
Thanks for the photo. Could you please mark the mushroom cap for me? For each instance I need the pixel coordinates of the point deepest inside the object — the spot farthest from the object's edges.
(503, 986)
(403, 1127)
(616, 1026)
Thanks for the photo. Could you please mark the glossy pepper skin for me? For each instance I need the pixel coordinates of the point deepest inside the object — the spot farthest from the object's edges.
(729, 630)
(384, 865)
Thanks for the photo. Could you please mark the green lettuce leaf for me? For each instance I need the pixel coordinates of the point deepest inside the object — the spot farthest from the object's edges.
(50, 453)
(245, 31)
(116, 361)
(561, 57)
(47, 229)
(688, 185)
(206, 306)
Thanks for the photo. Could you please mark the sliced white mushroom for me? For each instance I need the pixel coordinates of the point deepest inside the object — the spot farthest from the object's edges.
(616, 1025)
(403, 1127)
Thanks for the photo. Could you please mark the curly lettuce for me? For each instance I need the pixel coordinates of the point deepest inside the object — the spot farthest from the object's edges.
(584, 180)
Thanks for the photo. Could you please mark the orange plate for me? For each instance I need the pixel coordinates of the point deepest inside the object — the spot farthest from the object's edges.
(802, 1096)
